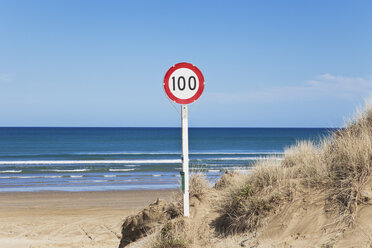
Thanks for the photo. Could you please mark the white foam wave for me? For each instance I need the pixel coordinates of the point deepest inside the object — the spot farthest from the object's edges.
(76, 176)
(11, 171)
(156, 175)
(242, 158)
(178, 153)
(109, 175)
(213, 170)
(244, 171)
(74, 170)
(238, 169)
(139, 161)
(125, 153)
(25, 177)
(121, 169)
(237, 153)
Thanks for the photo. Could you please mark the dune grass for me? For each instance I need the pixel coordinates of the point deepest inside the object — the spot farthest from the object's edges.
(199, 185)
(170, 236)
(340, 165)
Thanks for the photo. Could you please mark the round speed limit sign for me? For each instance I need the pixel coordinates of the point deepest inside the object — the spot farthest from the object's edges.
(183, 83)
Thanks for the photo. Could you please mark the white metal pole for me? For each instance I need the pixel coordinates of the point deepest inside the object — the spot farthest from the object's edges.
(185, 158)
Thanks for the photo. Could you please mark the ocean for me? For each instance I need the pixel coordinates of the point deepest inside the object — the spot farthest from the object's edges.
(95, 159)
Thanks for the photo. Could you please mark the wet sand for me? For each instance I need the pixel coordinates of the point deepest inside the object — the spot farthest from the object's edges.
(69, 219)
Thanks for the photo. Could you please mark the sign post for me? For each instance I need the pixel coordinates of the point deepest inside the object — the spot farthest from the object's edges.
(184, 84)
(185, 158)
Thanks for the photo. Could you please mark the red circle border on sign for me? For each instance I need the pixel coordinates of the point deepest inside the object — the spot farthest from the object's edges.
(198, 74)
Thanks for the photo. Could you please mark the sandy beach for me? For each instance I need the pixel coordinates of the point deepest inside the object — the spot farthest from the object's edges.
(69, 219)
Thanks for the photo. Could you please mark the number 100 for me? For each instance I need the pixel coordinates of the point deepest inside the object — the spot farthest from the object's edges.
(181, 83)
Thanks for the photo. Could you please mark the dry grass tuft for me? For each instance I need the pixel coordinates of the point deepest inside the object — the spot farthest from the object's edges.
(247, 202)
(199, 185)
(348, 157)
(230, 179)
(306, 163)
(340, 165)
(170, 236)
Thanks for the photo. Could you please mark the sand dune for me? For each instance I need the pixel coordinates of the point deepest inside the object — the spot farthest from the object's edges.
(319, 195)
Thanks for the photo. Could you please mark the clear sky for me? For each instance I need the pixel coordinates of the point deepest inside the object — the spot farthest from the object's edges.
(265, 63)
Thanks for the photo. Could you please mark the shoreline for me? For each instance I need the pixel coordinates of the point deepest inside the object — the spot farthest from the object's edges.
(123, 199)
(84, 191)
(69, 219)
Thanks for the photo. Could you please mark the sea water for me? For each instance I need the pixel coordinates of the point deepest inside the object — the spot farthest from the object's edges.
(91, 159)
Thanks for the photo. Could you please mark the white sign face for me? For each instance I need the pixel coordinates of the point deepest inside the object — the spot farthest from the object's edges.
(183, 83)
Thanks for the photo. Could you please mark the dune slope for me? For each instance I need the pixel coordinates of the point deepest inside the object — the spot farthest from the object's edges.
(319, 195)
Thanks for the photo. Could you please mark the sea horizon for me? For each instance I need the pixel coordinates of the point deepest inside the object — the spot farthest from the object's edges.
(279, 127)
(127, 158)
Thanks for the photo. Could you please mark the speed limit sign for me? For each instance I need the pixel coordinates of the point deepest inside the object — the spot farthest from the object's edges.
(183, 83)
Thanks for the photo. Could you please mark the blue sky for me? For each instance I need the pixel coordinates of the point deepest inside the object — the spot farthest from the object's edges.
(265, 63)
